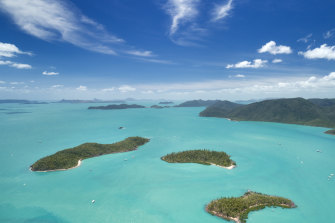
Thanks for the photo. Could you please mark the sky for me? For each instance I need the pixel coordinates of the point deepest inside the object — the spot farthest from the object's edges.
(167, 49)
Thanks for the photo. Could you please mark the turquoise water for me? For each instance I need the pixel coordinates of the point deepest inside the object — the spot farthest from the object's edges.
(272, 158)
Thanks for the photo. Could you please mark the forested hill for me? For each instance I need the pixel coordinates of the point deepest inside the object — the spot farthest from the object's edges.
(197, 103)
(314, 112)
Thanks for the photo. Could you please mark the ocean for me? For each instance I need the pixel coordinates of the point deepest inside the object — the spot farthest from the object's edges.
(272, 158)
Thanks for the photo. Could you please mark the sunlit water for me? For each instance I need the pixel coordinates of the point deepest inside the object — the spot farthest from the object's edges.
(272, 158)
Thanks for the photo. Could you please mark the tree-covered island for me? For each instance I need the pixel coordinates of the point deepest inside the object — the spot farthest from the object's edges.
(70, 158)
(205, 157)
(237, 208)
(114, 107)
(330, 132)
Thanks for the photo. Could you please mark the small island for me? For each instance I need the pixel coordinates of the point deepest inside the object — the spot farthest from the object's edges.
(205, 157)
(165, 102)
(237, 209)
(330, 132)
(71, 158)
(120, 106)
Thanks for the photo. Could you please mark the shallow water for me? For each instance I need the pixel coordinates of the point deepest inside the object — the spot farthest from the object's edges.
(272, 158)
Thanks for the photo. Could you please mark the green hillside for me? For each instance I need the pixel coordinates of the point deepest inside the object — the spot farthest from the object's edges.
(292, 111)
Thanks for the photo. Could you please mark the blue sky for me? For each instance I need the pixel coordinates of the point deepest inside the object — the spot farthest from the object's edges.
(173, 49)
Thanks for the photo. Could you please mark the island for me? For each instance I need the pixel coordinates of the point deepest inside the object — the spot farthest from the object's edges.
(165, 102)
(312, 112)
(197, 103)
(237, 209)
(76, 101)
(205, 157)
(71, 158)
(120, 106)
(18, 101)
(330, 132)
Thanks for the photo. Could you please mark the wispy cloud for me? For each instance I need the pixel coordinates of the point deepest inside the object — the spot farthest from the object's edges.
(277, 60)
(329, 34)
(10, 50)
(181, 11)
(222, 11)
(56, 20)
(15, 65)
(81, 88)
(305, 39)
(257, 63)
(140, 53)
(50, 73)
(126, 88)
(272, 48)
(323, 52)
(184, 30)
(61, 20)
(57, 86)
(158, 61)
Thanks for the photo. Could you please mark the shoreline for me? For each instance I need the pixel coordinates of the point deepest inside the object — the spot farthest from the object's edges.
(226, 167)
(236, 220)
(44, 171)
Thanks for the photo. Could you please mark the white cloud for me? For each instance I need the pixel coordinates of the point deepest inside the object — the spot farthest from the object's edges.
(305, 39)
(10, 50)
(240, 75)
(15, 65)
(50, 73)
(16, 83)
(258, 63)
(108, 89)
(56, 20)
(140, 53)
(156, 61)
(57, 86)
(20, 66)
(277, 61)
(323, 52)
(147, 92)
(81, 88)
(272, 48)
(181, 11)
(222, 11)
(126, 88)
(329, 34)
(2, 82)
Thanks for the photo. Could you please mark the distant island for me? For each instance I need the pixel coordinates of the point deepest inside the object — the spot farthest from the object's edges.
(120, 106)
(71, 158)
(205, 157)
(90, 101)
(237, 209)
(330, 132)
(4, 101)
(159, 107)
(165, 102)
(197, 103)
(313, 112)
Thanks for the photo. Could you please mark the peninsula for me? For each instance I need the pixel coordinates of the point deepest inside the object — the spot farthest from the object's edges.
(120, 106)
(313, 112)
(330, 132)
(205, 157)
(237, 209)
(197, 103)
(70, 158)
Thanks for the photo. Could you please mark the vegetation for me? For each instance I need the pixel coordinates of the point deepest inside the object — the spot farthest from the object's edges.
(237, 209)
(121, 106)
(219, 109)
(197, 103)
(330, 132)
(293, 111)
(165, 102)
(205, 157)
(69, 158)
